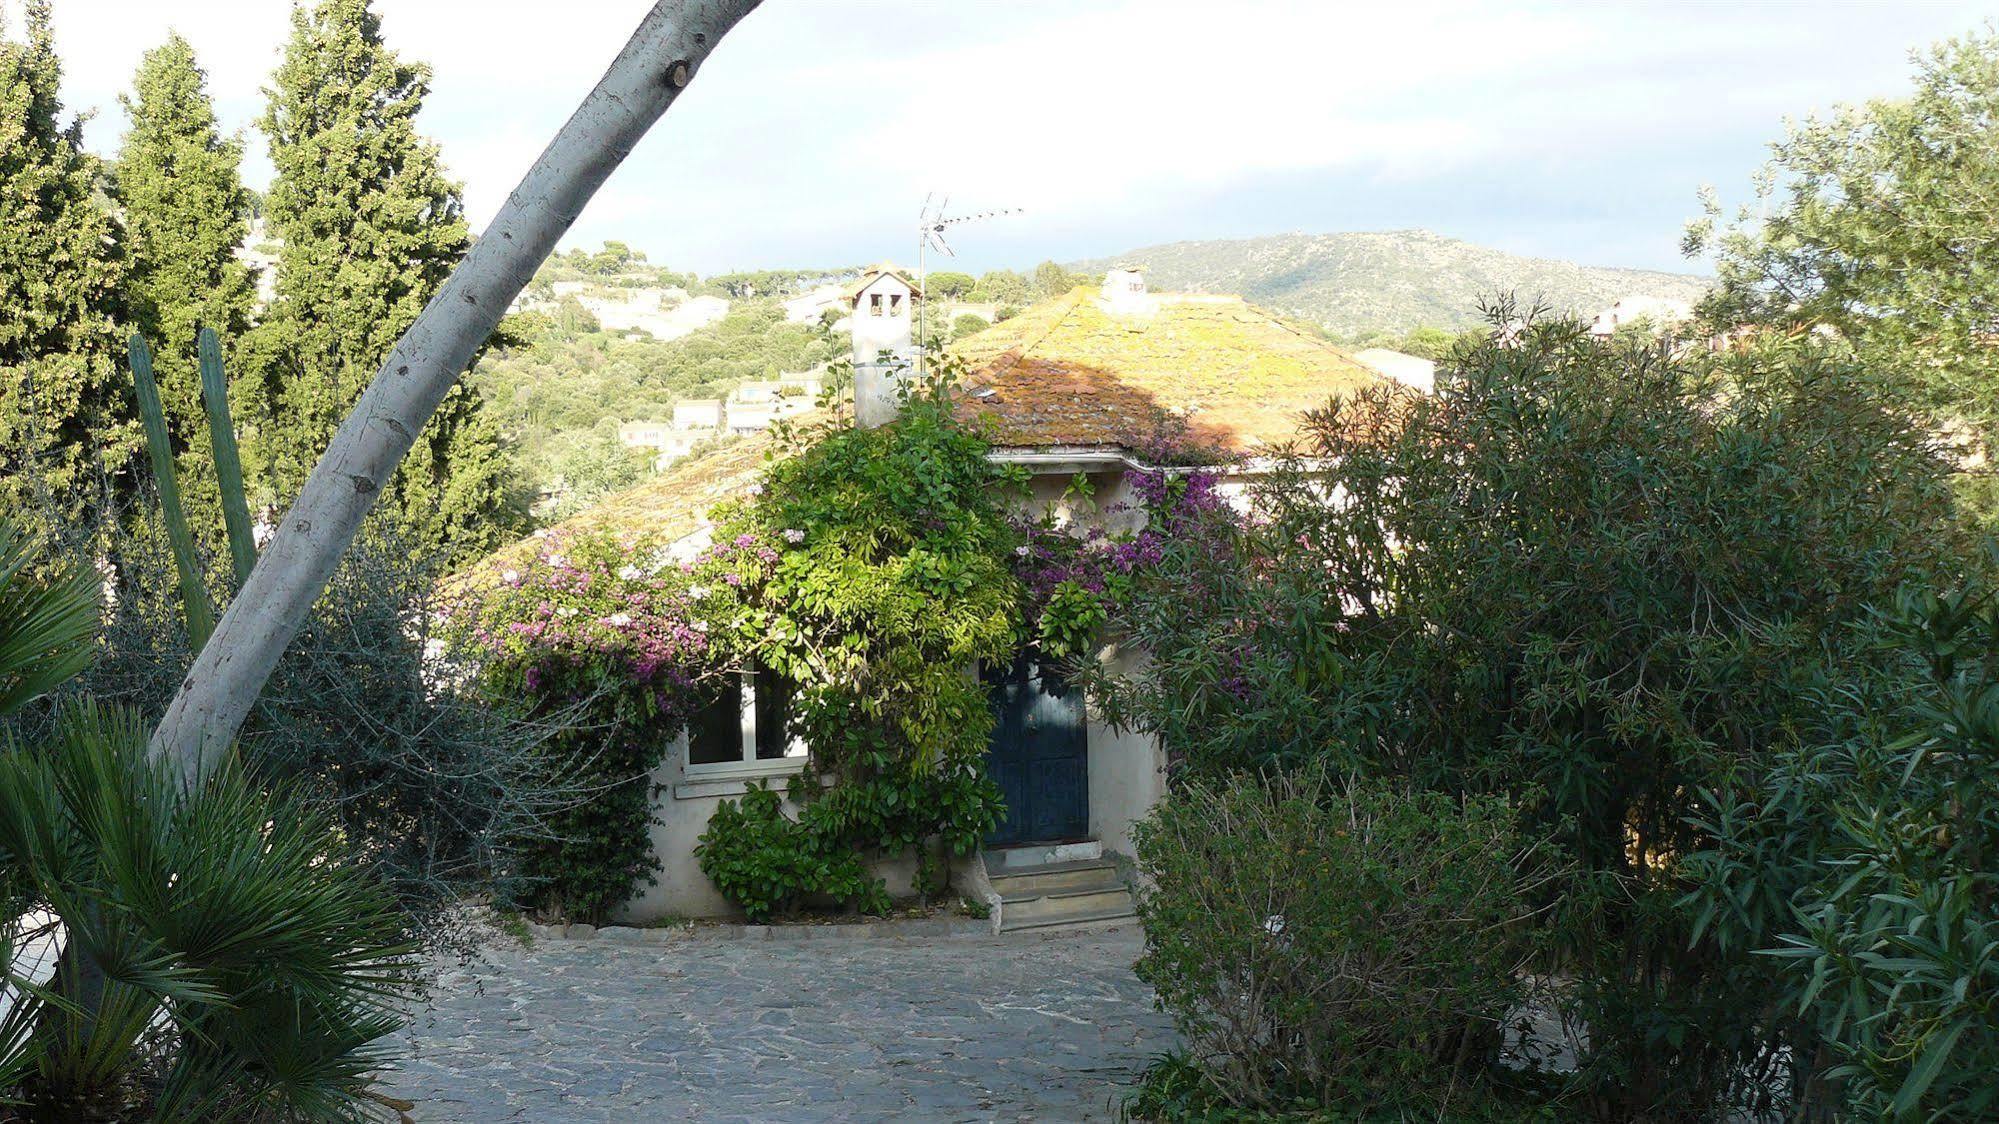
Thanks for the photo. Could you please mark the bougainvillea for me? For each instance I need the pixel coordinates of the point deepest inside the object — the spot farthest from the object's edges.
(617, 638)
(1076, 577)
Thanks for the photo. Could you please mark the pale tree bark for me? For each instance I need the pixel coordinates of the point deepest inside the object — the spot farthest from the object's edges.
(661, 58)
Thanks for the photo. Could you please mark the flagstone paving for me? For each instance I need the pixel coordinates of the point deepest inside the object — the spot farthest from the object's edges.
(1020, 1027)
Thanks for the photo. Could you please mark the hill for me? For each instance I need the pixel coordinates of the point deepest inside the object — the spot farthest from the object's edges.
(1388, 280)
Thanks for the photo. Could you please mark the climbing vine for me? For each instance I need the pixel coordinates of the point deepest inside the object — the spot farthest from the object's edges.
(871, 571)
(891, 581)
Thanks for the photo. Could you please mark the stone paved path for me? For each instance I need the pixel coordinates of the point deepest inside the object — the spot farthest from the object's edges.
(1022, 1027)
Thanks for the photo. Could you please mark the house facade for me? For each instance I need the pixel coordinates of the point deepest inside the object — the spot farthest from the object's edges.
(1079, 386)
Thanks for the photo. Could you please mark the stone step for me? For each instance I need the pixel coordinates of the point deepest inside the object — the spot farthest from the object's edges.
(1107, 916)
(1080, 875)
(1001, 859)
(1064, 907)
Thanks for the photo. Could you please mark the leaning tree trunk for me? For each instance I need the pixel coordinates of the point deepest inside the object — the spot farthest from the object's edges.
(662, 57)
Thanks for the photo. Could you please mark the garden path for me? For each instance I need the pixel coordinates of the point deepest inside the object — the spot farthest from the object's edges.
(1019, 1027)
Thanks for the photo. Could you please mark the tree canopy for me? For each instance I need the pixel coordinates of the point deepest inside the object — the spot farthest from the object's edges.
(371, 226)
(64, 410)
(1877, 224)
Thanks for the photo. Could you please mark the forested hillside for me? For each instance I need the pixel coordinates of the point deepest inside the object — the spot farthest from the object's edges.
(561, 388)
(1388, 280)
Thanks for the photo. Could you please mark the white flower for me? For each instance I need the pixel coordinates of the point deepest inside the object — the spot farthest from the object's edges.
(697, 592)
(1274, 924)
(630, 573)
(511, 577)
(1020, 551)
(618, 620)
(700, 626)
(556, 560)
(756, 489)
(566, 611)
(793, 535)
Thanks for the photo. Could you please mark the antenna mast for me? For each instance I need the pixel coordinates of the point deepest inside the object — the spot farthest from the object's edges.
(930, 228)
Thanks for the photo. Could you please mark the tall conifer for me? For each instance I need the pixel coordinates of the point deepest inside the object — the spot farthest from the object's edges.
(370, 226)
(65, 412)
(186, 212)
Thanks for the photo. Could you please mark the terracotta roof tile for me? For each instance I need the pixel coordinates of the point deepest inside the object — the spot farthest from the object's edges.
(1063, 373)
(1072, 372)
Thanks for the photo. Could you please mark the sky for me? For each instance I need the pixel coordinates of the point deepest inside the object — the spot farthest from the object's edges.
(818, 128)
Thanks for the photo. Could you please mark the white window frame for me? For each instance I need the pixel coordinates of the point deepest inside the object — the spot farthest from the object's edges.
(749, 764)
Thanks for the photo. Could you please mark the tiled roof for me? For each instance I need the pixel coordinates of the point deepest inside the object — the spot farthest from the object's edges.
(1072, 372)
(1063, 373)
(666, 508)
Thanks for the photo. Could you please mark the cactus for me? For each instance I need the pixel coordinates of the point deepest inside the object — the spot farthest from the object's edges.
(228, 473)
(193, 591)
(228, 465)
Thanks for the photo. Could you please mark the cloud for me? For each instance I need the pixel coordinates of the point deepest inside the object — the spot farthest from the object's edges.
(820, 125)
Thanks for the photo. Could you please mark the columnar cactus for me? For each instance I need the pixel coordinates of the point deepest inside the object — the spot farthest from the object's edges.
(228, 470)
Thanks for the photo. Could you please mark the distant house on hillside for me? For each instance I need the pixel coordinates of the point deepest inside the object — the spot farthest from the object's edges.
(1411, 371)
(1660, 312)
(1092, 384)
(808, 308)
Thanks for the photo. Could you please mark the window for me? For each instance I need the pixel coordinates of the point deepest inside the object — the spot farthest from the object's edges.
(743, 726)
(895, 304)
(874, 304)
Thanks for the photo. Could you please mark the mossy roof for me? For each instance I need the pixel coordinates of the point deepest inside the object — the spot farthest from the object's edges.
(1063, 373)
(664, 509)
(1070, 372)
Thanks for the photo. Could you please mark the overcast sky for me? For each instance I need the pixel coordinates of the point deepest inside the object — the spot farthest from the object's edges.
(815, 131)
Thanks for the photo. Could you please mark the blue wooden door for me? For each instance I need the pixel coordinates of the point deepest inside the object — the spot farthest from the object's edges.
(1039, 755)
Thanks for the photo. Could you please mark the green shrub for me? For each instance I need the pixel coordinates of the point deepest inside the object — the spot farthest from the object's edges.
(873, 570)
(1595, 580)
(1861, 868)
(768, 863)
(236, 917)
(1334, 943)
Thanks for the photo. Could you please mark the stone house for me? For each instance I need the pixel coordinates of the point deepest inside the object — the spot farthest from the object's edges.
(1074, 385)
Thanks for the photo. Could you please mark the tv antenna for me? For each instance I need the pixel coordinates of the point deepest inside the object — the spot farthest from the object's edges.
(932, 224)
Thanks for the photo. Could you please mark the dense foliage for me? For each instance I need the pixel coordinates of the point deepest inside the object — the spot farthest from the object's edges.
(1320, 943)
(560, 390)
(250, 964)
(1861, 863)
(370, 228)
(185, 212)
(1875, 222)
(609, 642)
(225, 952)
(62, 269)
(1582, 576)
(875, 571)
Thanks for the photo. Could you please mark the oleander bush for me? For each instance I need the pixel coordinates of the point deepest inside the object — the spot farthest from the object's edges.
(1320, 941)
(1597, 582)
(1859, 869)
(875, 568)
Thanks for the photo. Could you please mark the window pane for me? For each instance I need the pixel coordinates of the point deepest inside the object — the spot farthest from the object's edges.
(773, 706)
(715, 734)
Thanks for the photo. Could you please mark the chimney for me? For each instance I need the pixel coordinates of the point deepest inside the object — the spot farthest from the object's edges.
(883, 316)
(1124, 290)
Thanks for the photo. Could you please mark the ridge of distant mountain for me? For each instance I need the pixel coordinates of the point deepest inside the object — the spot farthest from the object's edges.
(1389, 280)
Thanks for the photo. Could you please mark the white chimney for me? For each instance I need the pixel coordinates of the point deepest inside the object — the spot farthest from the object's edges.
(1124, 290)
(884, 315)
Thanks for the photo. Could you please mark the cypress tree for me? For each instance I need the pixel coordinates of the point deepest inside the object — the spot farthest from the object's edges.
(370, 227)
(65, 410)
(179, 189)
(186, 212)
